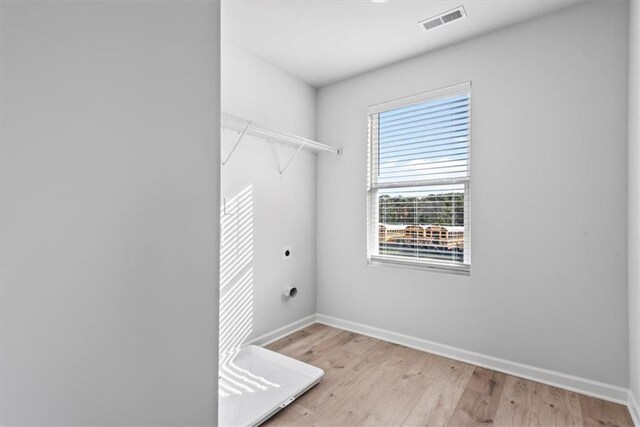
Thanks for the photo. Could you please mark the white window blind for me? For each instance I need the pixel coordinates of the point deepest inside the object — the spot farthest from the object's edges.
(419, 177)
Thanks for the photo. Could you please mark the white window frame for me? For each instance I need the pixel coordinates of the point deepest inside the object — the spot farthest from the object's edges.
(375, 259)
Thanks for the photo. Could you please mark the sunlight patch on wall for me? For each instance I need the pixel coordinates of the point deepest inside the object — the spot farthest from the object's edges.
(236, 294)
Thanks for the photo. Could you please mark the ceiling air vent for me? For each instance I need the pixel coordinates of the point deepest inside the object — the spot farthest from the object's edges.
(443, 18)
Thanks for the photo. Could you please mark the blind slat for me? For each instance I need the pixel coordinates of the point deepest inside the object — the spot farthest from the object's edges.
(389, 119)
(411, 146)
(426, 119)
(443, 130)
(443, 136)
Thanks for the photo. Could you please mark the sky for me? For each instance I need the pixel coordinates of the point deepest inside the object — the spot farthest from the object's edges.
(428, 140)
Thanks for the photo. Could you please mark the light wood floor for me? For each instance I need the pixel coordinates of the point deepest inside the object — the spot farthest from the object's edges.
(373, 382)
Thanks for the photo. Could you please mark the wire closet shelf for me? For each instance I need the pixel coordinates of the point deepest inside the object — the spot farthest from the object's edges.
(247, 127)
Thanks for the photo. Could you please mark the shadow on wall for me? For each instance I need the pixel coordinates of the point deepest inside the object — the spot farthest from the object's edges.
(236, 293)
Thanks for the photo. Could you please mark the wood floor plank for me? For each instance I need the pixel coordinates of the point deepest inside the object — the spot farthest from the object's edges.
(320, 349)
(393, 407)
(559, 407)
(315, 327)
(596, 412)
(525, 402)
(288, 340)
(360, 344)
(479, 402)
(293, 414)
(518, 403)
(440, 399)
(358, 397)
(384, 351)
(340, 367)
(316, 337)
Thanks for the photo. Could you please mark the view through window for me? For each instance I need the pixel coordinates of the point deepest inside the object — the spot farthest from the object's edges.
(419, 179)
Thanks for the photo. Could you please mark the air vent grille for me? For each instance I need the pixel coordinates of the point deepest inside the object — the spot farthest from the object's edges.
(452, 16)
(432, 24)
(443, 18)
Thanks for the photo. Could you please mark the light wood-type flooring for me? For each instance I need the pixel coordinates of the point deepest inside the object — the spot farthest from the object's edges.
(373, 382)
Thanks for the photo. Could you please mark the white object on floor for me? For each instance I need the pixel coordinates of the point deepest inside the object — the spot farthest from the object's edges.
(255, 383)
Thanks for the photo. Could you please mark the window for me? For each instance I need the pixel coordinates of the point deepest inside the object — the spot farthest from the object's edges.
(419, 176)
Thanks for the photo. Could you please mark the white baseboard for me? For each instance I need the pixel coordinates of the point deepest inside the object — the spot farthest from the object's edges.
(272, 336)
(634, 409)
(557, 379)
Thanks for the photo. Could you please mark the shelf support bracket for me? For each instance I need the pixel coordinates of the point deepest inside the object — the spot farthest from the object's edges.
(282, 170)
(224, 162)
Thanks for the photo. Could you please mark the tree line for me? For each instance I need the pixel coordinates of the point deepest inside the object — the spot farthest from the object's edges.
(435, 209)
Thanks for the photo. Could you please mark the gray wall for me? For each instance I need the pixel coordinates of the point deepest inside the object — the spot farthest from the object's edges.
(283, 208)
(110, 176)
(634, 200)
(548, 284)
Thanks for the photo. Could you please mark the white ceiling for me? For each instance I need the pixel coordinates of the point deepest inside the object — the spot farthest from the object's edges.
(322, 42)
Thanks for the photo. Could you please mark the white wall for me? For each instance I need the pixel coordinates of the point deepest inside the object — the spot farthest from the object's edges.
(110, 188)
(549, 188)
(283, 209)
(634, 200)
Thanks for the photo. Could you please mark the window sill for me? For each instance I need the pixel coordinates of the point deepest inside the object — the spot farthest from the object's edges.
(438, 267)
